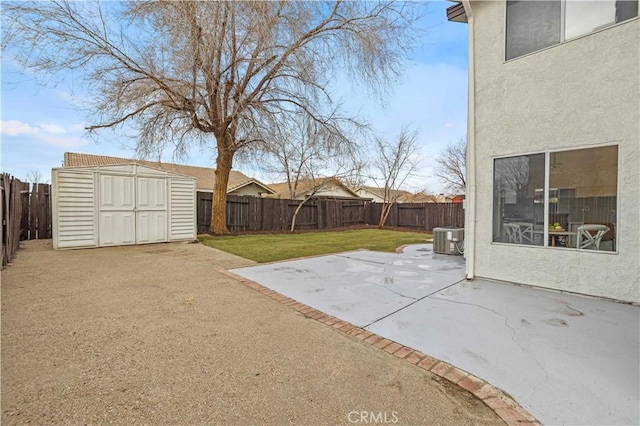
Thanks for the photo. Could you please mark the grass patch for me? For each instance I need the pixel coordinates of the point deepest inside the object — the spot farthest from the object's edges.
(271, 247)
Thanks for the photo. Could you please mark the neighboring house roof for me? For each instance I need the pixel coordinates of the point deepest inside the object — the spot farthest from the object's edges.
(205, 176)
(441, 198)
(421, 197)
(307, 185)
(398, 195)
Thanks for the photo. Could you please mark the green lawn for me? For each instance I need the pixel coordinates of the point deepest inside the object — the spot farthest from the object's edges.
(270, 247)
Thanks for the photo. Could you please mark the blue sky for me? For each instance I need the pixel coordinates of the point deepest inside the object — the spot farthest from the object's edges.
(40, 123)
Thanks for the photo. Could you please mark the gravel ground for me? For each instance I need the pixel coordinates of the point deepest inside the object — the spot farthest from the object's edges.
(156, 335)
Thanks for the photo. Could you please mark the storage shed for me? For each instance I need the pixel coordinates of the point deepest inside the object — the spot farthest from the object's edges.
(121, 205)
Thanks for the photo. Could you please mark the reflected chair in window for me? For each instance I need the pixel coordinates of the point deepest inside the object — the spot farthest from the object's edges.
(609, 238)
(527, 231)
(514, 233)
(590, 236)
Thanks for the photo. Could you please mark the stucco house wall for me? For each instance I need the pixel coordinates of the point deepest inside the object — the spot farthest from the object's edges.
(250, 190)
(362, 192)
(579, 94)
(331, 191)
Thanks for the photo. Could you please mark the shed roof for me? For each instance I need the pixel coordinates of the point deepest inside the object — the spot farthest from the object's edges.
(205, 176)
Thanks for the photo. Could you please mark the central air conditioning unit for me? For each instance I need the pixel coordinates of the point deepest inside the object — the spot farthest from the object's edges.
(448, 240)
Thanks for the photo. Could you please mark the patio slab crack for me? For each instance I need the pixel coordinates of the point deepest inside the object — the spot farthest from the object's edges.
(395, 292)
(513, 337)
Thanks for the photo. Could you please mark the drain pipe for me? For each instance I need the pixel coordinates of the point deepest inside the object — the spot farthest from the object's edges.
(470, 198)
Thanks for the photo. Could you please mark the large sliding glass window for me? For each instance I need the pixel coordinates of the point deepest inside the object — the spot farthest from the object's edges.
(533, 25)
(577, 209)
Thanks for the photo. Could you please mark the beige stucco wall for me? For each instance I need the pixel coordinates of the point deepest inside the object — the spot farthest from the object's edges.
(367, 194)
(333, 191)
(252, 190)
(582, 93)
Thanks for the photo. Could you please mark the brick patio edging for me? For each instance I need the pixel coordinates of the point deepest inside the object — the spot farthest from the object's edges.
(500, 402)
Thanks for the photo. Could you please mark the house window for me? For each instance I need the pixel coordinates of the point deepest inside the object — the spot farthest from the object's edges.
(576, 208)
(516, 203)
(533, 25)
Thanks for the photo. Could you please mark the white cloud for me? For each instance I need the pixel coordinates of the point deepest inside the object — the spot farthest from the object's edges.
(55, 129)
(17, 128)
(48, 134)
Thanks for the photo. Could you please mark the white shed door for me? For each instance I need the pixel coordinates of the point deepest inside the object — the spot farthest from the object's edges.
(133, 210)
(117, 210)
(151, 210)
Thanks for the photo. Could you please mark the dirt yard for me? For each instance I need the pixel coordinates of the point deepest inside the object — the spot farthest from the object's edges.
(156, 335)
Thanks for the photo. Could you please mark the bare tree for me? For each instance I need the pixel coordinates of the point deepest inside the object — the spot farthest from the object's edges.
(303, 149)
(309, 156)
(317, 185)
(451, 166)
(34, 176)
(513, 174)
(393, 164)
(357, 177)
(213, 71)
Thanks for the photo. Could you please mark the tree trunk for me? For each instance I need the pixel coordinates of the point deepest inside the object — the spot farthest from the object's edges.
(386, 208)
(224, 162)
(295, 214)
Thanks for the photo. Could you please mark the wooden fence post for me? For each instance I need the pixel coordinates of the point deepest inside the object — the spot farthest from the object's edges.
(24, 217)
(11, 216)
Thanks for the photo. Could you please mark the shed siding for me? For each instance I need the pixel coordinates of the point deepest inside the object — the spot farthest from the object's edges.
(183, 209)
(76, 211)
(121, 204)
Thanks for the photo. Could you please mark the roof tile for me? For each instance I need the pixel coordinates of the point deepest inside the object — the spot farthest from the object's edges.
(205, 176)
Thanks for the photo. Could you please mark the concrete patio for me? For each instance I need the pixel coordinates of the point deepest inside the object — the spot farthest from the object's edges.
(565, 358)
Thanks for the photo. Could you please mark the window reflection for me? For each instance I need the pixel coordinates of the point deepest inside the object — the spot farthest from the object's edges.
(531, 26)
(626, 9)
(516, 209)
(586, 181)
(583, 17)
(582, 199)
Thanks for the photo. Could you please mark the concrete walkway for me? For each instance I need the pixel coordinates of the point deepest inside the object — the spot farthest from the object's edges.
(567, 359)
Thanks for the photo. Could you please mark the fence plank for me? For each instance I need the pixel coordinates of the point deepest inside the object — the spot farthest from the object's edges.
(24, 217)
(33, 214)
(42, 211)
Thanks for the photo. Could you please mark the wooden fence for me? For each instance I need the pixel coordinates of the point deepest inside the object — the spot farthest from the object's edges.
(419, 215)
(36, 213)
(26, 215)
(11, 197)
(254, 214)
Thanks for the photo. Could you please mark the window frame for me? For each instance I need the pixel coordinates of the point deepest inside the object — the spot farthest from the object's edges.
(563, 40)
(547, 178)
